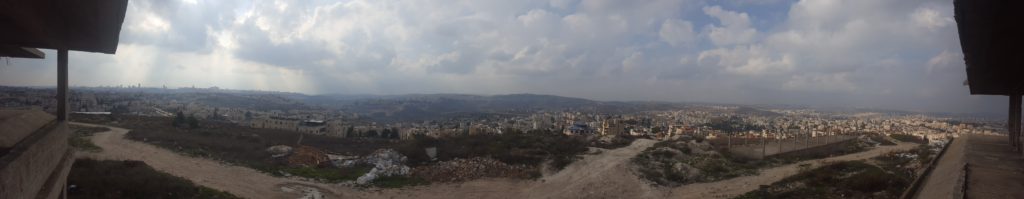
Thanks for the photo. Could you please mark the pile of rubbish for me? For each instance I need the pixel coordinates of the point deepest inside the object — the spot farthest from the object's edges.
(386, 163)
(459, 170)
(306, 156)
(279, 150)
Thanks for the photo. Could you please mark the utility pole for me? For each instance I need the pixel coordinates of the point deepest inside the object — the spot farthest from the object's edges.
(807, 142)
(779, 138)
(745, 141)
(780, 146)
(764, 135)
(729, 138)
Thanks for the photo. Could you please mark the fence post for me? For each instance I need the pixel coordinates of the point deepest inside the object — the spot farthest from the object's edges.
(729, 137)
(763, 147)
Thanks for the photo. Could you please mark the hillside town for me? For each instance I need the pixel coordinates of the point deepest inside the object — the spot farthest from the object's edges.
(274, 111)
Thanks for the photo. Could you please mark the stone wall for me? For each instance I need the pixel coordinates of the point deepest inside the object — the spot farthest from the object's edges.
(37, 165)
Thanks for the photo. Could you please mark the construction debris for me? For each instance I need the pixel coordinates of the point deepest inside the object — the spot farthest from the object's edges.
(279, 150)
(386, 162)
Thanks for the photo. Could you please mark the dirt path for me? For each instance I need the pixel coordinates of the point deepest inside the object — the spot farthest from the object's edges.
(603, 175)
(237, 180)
(736, 186)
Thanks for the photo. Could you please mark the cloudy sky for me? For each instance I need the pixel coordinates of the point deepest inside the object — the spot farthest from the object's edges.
(892, 54)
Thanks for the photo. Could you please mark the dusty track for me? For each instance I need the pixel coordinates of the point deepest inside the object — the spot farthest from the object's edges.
(736, 186)
(241, 181)
(603, 175)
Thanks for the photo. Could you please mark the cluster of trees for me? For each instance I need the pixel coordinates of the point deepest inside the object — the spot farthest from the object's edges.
(181, 121)
(733, 124)
(387, 133)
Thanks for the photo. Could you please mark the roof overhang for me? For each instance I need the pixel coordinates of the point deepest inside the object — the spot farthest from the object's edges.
(20, 52)
(992, 40)
(78, 25)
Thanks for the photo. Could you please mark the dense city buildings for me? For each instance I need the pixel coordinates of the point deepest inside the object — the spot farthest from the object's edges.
(280, 111)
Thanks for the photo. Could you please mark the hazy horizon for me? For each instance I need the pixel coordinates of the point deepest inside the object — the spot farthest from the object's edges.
(895, 55)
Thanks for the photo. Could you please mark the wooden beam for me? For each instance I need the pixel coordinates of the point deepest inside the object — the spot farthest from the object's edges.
(1014, 121)
(62, 85)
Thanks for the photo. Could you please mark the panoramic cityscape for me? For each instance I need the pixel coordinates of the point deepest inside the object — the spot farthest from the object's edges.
(510, 99)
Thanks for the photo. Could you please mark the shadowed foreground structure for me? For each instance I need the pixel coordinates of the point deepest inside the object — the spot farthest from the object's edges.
(986, 166)
(35, 157)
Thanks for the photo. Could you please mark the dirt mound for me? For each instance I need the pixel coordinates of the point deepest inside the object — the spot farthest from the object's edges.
(459, 170)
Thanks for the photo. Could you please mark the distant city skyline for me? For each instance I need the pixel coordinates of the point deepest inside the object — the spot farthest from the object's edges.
(900, 55)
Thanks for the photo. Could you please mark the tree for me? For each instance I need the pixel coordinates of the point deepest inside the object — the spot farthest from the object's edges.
(193, 122)
(372, 133)
(386, 133)
(179, 119)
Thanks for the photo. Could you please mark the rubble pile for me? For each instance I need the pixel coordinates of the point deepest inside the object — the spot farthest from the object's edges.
(306, 156)
(386, 162)
(279, 150)
(458, 170)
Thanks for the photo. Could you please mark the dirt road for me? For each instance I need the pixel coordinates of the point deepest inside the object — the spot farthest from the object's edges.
(241, 181)
(603, 175)
(736, 186)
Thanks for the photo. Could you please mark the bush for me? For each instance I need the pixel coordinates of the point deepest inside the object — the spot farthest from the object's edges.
(242, 145)
(849, 179)
(658, 164)
(80, 137)
(519, 149)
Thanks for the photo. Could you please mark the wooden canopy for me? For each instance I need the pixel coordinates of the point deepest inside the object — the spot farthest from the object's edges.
(992, 39)
(78, 25)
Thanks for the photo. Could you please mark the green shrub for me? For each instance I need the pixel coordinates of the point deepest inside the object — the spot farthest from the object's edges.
(848, 179)
(80, 138)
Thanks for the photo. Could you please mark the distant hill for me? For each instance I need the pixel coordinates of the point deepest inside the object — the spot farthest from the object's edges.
(758, 112)
(440, 106)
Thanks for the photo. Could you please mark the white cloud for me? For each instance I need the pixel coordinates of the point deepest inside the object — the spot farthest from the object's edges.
(831, 83)
(633, 62)
(931, 18)
(946, 61)
(735, 27)
(752, 60)
(605, 49)
(149, 23)
(677, 32)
